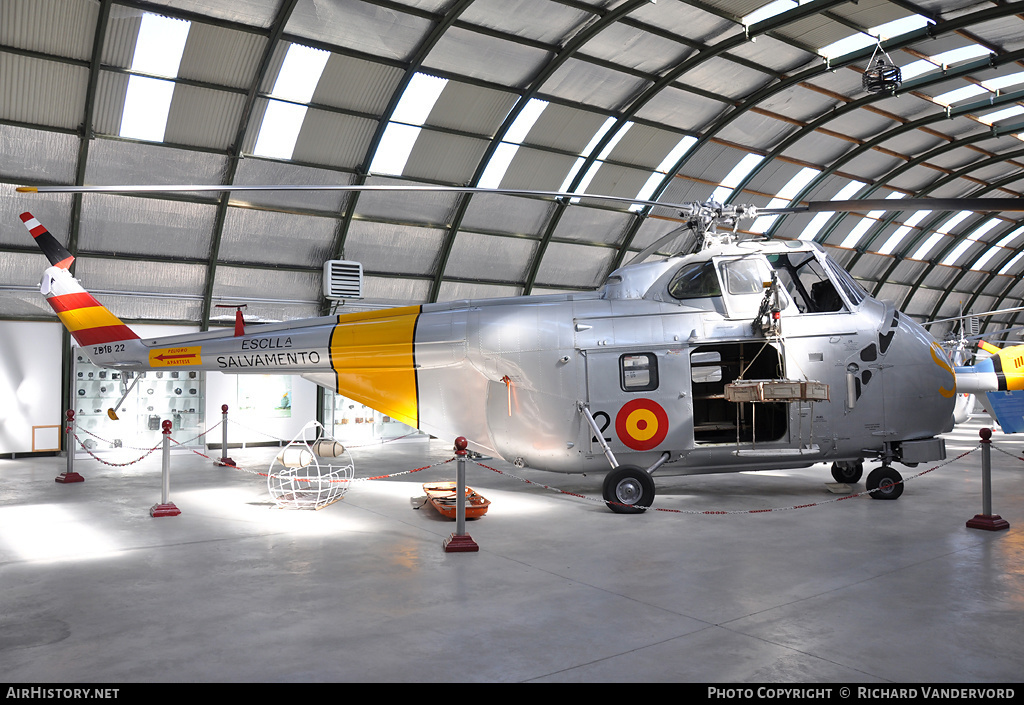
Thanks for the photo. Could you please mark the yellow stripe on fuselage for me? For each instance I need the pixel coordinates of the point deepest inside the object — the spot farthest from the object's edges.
(372, 355)
(90, 317)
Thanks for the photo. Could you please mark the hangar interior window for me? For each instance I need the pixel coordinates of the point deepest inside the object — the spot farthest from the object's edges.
(932, 241)
(656, 178)
(1003, 244)
(406, 124)
(300, 73)
(588, 150)
(735, 177)
(901, 232)
(516, 135)
(784, 197)
(638, 372)
(943, 60)
(961, 248)
(147, 102)
(818, 222)
(857, 234)
(768, 11)
(872, 35)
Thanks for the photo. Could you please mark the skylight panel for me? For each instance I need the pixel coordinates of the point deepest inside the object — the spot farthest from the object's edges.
(506, 151)
(418, 99)
(1009, 265)
(997, 84)
(944, 60)
(158, 51)
(955, 56)
(960, 94)
(957, 252)
(998, 247)
(279, 130)
(897, 237)
(160, 45)
(592, 171)
(873, 35)
(733, 179)
(300, 73)
(410, 114)
(916, 68)
(670, 160)
(1003, 114)
(818, 222)
(784, 197)
(853, 239)
(932, 241)
(768, 11)
(296, 82)
(591, 146)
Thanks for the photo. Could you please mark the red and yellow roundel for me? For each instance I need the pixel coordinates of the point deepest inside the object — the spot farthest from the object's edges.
(641, 424)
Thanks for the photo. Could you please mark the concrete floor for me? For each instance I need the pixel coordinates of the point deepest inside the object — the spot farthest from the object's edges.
(93, 589)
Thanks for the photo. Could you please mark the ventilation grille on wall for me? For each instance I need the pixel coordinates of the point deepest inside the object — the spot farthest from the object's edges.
(343, 279)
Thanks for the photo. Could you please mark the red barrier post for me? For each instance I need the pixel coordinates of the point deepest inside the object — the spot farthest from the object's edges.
(224, 459)
(987, 520)
(166, 508)
(69, 475)
(460, 541)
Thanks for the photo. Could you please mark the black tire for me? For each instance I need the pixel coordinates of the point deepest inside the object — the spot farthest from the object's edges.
(847, 473)
(628, 489)
(884, 483)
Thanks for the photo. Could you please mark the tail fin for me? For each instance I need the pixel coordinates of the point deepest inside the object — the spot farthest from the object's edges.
(87, 319)
(54, 251)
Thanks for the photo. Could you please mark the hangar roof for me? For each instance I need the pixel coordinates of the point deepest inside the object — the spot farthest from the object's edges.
(746, 101)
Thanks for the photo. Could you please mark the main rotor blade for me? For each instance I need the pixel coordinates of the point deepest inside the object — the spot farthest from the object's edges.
(973, 315)
(219, 188)
(981, 205)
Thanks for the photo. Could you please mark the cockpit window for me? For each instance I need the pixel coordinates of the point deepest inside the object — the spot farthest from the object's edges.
(807, 282)
(695, 281)
(742, 277)
(854, 291)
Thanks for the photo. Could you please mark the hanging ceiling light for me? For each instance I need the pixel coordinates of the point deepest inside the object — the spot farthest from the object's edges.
(881, 75)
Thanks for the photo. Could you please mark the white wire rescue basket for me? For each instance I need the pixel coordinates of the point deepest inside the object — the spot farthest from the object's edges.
(310, 474)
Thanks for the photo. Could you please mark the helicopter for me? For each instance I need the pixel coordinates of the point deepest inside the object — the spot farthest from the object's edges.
(729, 355)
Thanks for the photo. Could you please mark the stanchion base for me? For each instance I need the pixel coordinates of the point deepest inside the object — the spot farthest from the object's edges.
(460, 544)
(225, 461)
(988, 522)
(164, 510)
(67, 477)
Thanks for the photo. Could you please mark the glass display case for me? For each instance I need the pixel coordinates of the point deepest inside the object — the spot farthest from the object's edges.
(351, 422)
(176, 395)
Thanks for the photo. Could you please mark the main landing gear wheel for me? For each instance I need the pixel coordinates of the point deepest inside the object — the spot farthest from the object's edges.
(628, 489)
(884, 483)
(848, 472)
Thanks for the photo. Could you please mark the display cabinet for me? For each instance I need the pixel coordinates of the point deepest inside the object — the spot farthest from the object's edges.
(176, 395)
(351, 422)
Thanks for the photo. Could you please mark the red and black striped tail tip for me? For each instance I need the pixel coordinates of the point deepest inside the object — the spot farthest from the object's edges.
(54, 251)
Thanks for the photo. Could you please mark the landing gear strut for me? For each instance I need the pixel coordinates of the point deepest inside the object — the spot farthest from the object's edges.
(628, 489)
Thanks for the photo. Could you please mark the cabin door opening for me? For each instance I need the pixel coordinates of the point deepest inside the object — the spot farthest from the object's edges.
(716, 420)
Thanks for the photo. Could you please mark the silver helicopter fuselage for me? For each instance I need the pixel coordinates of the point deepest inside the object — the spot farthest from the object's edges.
(643, 371)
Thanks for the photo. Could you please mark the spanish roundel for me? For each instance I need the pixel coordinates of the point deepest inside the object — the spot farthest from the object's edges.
(641, 424)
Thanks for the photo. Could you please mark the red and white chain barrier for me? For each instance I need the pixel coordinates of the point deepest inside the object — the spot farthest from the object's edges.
(732, 511)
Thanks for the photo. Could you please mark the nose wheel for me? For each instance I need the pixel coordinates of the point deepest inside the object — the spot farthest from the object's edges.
(884, 483)
(628, 489)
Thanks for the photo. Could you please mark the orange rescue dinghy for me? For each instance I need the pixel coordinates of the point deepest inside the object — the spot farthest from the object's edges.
(443, 496)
